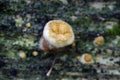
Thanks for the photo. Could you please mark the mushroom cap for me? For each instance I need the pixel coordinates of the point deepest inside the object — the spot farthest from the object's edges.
(58, 33)
(22, 54)
(86, 58)
(98, 41)
(35, 53)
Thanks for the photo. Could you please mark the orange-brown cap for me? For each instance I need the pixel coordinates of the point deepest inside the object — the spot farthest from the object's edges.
(98, 41)
(86, 58)
(58, 33)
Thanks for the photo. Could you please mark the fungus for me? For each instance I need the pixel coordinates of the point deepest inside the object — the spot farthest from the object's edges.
(28, 25)
(98, 41)
(56, 34)
(86, 59)
(78, 57)
(34, 53)
(73, 45)
(22, 55)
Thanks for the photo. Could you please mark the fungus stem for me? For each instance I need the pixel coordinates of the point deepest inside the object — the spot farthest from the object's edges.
(50, 70)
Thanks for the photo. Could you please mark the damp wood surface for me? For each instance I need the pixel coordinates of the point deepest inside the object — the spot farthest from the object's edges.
(95, 23)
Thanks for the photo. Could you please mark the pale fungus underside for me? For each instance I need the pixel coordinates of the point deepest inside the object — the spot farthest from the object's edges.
(94, 55)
